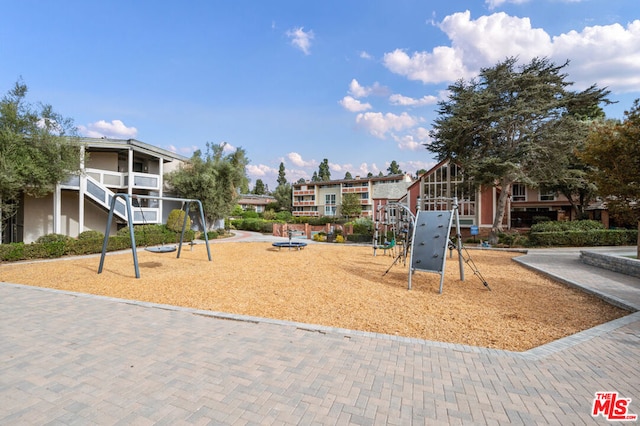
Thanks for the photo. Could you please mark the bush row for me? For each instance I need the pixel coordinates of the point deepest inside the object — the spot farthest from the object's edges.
(254, 224)
(597, 237)
(90, 242)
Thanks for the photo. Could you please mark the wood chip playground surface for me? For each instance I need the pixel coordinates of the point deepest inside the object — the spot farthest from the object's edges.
(340, 286)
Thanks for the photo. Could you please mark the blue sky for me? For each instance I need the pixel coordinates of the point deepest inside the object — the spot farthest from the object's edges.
(355, 82)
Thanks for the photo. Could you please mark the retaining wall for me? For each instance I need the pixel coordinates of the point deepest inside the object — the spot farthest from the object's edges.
(611, 262)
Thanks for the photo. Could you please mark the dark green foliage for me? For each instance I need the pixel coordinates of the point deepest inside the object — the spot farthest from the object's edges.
(601, 237)
(52, 238)
(324, 172)
(514, 124)
(351, 206)
(254, 224)
(259, 188)
(613, 153)
(575, 225)
(90, 235)
(579, 233)
(213, 178)
(175, 220)
(394, 168)
(250, 214)
(38, 149)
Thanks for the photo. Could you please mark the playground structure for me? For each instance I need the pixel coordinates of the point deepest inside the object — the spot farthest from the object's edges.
(186, 203)
(426, 238)
(299, 245)
(395, 219)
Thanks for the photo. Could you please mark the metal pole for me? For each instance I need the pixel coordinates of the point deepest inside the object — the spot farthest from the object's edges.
(458, 238)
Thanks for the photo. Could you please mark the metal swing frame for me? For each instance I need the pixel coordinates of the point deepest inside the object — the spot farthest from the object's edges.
(127, 200)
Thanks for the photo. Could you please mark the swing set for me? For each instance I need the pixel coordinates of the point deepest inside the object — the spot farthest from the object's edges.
(186, 203)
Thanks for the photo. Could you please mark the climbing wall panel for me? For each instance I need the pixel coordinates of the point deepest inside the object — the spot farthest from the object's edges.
(430, 240)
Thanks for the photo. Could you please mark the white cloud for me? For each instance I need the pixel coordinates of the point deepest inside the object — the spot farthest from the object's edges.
(359, 91)
(401, 100)
(296, 160)
(606, 55)
(301, 39)
(259, 171)
(365, 55)
(115, 129)
(414, 140)
(227, 148)
(379, 124)
(351, 104)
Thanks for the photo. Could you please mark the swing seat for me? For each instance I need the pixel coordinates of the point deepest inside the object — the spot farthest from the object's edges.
(161, 249)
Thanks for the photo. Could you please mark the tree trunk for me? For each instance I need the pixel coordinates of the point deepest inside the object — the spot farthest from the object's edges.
(501, 208)
(638, 251)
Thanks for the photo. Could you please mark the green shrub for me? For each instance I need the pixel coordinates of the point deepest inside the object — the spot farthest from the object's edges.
(212, 235)
(363, 225)
(599, 237)
(250, 214)
(575, 225)
(52, 238)
(175, 220)
(90, 235)
(12, 252)
(269, 215)
(284, 216)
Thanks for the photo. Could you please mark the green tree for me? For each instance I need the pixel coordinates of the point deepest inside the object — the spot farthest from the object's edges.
(420, 172)
(282, 179)
(347, 176)
(38, 149)
(315, 177)
(283, 193)
(613, 152)
(212, 178)
(324, 174)
(351, 206)
(259, 188)
(512, 124)
(394, 168)
(301, 180)
(369, 175)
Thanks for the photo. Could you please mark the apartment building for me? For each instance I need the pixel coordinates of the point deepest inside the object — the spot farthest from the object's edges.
(434, 189)
(82, 202)
(324, 198)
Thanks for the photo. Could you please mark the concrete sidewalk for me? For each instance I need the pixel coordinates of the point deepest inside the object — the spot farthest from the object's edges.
(80, 359)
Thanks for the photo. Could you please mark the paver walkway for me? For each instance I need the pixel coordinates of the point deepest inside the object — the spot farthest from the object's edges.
(79, 359)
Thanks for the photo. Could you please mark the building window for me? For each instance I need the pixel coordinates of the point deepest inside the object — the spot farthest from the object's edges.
(546, 194)
(330, 198)
(329, 210)
(364, 195)
(518, 192)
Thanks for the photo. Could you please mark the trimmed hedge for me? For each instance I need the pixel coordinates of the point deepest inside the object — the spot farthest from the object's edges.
(600, 237)
(55, 245)
(575, 225)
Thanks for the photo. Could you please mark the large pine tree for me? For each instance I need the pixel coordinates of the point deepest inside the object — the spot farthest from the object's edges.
(512, 124)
